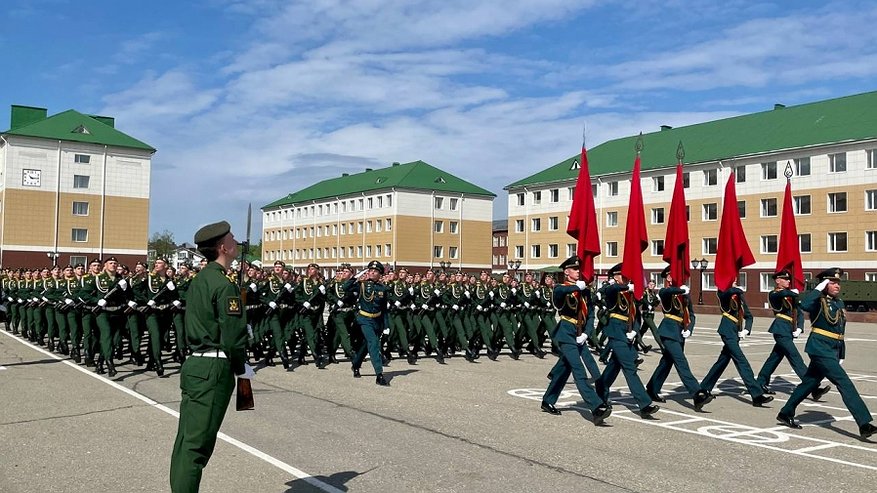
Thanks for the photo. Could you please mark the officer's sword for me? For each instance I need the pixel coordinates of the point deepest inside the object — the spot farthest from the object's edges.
(244, 399)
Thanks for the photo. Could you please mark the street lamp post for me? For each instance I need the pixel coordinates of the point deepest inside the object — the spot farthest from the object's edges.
(53, 258)
(701, 265)
(445, 265)
(514, 265)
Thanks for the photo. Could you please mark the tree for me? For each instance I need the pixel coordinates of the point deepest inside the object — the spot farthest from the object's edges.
(162, 244)
(256, 249)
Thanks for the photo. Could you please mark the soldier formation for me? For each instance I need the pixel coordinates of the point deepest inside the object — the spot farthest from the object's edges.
(98, 317)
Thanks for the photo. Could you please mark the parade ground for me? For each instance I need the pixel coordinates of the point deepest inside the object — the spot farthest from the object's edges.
(457, 427)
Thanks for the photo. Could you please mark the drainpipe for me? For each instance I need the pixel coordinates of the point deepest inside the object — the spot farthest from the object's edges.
(103, 205)
(3, 211)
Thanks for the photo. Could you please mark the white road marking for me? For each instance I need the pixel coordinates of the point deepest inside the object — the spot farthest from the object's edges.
(161, 407)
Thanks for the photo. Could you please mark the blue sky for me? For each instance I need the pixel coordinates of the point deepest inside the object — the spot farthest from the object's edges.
(248, 100)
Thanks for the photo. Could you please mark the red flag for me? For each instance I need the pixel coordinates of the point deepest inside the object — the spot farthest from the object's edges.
(789, 252)
(676, 243)
(583, 220)
(636, 238)
(733, 251)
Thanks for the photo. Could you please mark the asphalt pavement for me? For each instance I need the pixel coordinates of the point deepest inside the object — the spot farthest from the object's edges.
(457, 427)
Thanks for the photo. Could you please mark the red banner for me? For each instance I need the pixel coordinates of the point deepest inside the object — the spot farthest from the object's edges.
(636, 238)
(733, 251)
(789, 251)
(583, 220)
(676, 243)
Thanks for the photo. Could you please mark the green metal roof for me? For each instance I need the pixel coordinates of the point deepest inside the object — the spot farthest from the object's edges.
(74, 126)
(845, 119)
(416, 175)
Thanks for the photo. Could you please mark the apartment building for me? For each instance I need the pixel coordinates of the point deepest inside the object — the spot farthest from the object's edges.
(829, 148)
(72, 188)
(412, 215)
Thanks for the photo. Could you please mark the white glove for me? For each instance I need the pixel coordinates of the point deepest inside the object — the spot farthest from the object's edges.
(398, 304)
(101, 302)
(288, 287)
(45, 299)
(686, 334)
(796, 333)
(171, 286)
(479, 308)
(322, 289)
(306, 305)
(250, 331)
(20, 300)
(467, 293)
(360, 273)
(795, 290)
(538, 294)
(150, 303)
(411, 290)
(386, 331)
(9, 298)
(272, 305)
(741, 334)
(424, 306)
(123, 284)
(67, 301)
(455, 307)
(253, 287)
(821, 285)
(514, 291)
(437, 292)
(178, 303)
(840, 361)
(490, 293)
(599, 296)
(611, 281)
(685, 289)
(631, 335)
(130, 303)
(526, 305)
(502, 304)
(341, 303)
(413, 306)
(248, 373)
(581, 285)
(580, 340)
(631, 287)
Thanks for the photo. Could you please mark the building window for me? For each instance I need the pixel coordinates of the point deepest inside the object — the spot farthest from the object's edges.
(837, 242)
(80, 235)
(658, 184)
(379, 226)
(358, 227)
(708, 281)
(439, 227)
(80, 208)
(766, 283)
(710, 212)
(837, 163)
(769, 171)
(343, 230)
(709, 246)
(77, 259)
(519, 225)
(870, 200)
(710, 177)
(802, 205)
(81, 158)
(359, 251)
(804, 243)
(658, 215)
(769, 244)
(686, 180)
(389, 225)
(870, 241)
(657, 248)
(612, 188)
(536, 224)
(570, 193)
(741, 208)
(80, 181)
(371, 205)
(389, 204)
(555, 195)
(439, 201)
(455, 227)
(593, 190)
(453, 203)
(740, 174)
(452, 252)
(520, 199)
(837, 202)
(742, 279)
(611, 248)
(388, 250)
(802, 166)
(519, 251)
(612, 219)
(552, 250)
(570, 249)
(535, 251)
(368, 251)
(552, 223)
(869, 276)
(871, 154)
(768, 207)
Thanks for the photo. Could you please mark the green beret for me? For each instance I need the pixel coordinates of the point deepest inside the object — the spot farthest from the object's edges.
(212, 232)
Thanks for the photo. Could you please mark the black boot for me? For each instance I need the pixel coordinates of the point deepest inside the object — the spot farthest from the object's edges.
(380, 380)
(111, 368)
(51, 344)
(89, 359)
(74, 353)
(159, 368)
(100, 366)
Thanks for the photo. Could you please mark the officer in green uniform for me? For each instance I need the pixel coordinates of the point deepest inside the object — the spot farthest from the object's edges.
(310, 294)
(109, 296)
(87, 304)
(216, 332)
(159, 293)
(569, 337)
(182, 281)
(372, 308)
(647, 305)
(399, 299)
(826, 349)
(786, 327)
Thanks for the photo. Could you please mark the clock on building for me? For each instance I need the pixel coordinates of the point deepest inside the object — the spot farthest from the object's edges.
(30, 177)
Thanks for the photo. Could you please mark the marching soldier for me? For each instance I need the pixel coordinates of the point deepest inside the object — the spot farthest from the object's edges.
(827, 349)
(160, 294)
(87, 298)
(505, 320)
(183, 280)
(275, 290)
(647, 306)
(736, 324)
(372, 306)
(341, 317)
(310, 295)
(110, 296)
(399, 298)
(426, 295)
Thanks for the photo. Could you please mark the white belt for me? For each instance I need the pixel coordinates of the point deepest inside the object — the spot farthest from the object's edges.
(213, 353)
